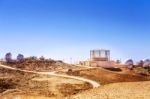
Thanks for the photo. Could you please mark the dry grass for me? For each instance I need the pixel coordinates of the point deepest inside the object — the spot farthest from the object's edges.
(41, 65)
(106, 77)
(69, 89)
(30, 84)
(6, 83)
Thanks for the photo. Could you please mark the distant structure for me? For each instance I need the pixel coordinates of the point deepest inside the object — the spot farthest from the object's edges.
(146, 63)
(129, 63)
(99, 58)
(100, 55)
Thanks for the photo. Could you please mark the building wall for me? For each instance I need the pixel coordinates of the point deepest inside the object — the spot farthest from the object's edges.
(105, 64)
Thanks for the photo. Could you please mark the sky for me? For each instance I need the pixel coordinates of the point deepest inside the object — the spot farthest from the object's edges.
(68, 29)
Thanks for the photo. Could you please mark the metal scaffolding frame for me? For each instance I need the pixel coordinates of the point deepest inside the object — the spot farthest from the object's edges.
(100, 53)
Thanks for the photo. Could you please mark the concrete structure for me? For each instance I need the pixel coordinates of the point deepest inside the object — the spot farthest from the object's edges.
(99, 58)
(100, 55)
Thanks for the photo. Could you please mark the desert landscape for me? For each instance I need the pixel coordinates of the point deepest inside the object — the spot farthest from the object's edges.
(50, 79)
(31, 83)
(74, 49)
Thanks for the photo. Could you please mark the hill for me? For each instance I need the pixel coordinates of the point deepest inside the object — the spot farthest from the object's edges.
(104, 76)
(40, 65)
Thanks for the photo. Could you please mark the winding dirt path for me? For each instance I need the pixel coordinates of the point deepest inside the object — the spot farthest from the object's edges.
(93, 83)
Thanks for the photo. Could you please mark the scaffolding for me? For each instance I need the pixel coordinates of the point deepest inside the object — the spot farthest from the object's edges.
(100, 55)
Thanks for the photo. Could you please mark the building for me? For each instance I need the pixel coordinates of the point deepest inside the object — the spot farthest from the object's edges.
(100, 55)
(99, 58)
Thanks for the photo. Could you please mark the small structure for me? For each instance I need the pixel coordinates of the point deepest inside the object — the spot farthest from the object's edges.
(129, 63)
(146, 63)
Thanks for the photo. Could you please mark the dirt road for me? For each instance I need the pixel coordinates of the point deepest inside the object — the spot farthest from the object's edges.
(93, 83)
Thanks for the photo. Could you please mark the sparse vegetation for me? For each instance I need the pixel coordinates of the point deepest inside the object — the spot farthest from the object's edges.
(6, 83)
(104, 76)
(24, 82)
(73, 89)
(38, 65)
(46, 86)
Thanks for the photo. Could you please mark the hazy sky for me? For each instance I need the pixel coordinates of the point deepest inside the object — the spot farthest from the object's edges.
(62, 29)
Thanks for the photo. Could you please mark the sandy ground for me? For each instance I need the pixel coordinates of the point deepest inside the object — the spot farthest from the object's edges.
(54, 82)
(131, 90)
(32, 85)
(58, 80)
(58, 86)
(47, 87)
(92, 82)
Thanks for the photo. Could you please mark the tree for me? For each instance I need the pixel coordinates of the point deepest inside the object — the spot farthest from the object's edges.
(129, 63)
(33, 58)
(8, 57)
(20, 57)
(146, 63)
(140, 63)
(42, 58)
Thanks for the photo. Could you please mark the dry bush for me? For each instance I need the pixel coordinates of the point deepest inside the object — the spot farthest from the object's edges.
(38, 65)
(114, 69)
(71, 89)
(6, 84)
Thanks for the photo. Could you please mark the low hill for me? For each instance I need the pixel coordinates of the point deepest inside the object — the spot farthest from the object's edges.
(104, 76)
(40, 65)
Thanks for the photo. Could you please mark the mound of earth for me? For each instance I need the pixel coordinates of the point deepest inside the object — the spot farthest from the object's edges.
(130, 90)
